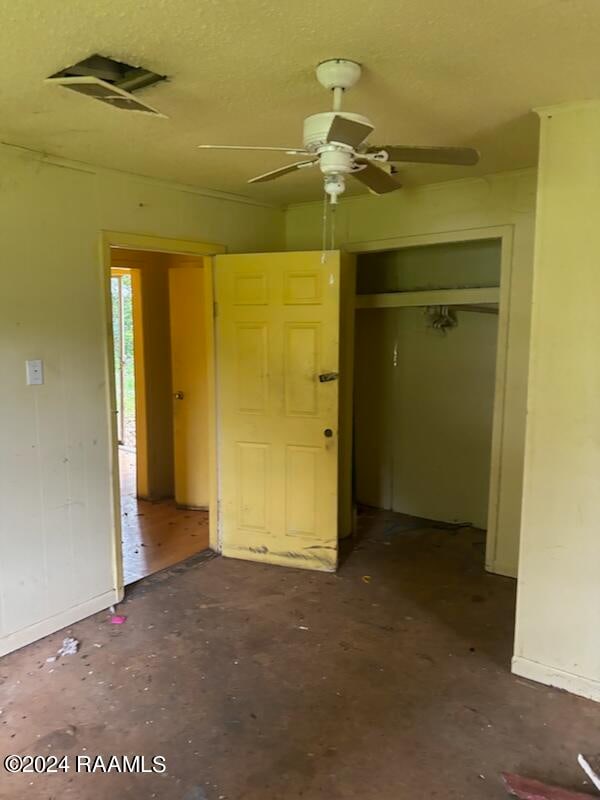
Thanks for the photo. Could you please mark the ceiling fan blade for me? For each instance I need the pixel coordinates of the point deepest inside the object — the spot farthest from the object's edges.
(291, 151)
(464, 156)
(348, 131)
(376, 179)
(276, 173)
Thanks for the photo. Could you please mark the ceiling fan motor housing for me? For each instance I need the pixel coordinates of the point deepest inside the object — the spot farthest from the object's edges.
(316, 127)
(335, 161)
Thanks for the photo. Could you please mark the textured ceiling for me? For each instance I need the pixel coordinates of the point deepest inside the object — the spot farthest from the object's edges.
(465, 72)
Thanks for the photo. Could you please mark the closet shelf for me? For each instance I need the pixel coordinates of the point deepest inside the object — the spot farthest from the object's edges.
(430, 297)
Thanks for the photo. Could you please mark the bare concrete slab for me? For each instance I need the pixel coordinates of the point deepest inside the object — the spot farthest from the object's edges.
(389, 680)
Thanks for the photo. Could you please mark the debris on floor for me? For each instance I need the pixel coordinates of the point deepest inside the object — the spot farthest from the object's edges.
(68, 648)
(530, 789)
(394, 527)
(118, 619)
(591, 766)
(451, 527)
(196, 793)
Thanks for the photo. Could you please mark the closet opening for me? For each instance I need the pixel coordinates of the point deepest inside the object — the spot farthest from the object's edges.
(424, 388)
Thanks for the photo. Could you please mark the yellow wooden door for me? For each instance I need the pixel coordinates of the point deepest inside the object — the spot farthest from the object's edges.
(189, 371)
(278, 324)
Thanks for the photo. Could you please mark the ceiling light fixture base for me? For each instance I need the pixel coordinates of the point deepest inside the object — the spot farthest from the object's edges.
(338, 73)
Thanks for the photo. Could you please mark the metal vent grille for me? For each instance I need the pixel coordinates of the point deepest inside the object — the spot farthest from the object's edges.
(111, 82)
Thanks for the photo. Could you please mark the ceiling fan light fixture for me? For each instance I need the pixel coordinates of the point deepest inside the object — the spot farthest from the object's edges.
(335, 185)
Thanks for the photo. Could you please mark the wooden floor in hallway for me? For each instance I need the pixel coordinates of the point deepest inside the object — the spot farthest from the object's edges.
(155, 535)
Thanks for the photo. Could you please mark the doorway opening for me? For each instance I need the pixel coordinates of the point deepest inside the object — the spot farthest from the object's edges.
(121, 287)
(161, 355)
(425, 385)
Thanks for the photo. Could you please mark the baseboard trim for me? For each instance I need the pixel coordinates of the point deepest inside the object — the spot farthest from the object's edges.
(552, 676)
(500, 569)
(50, 625)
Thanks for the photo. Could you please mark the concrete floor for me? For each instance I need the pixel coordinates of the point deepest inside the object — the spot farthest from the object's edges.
(389, 680)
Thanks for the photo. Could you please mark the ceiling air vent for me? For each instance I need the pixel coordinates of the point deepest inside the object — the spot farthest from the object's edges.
(109, 81)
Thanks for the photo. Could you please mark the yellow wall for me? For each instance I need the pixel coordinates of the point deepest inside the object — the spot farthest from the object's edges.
(190, 364)
(56, 542)
(507, 199)
(559, 587)
(159, 409)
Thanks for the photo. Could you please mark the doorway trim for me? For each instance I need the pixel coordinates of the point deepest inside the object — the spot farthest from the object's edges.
(119, 273)
(110, 240)
(505, 233)
(133, 267)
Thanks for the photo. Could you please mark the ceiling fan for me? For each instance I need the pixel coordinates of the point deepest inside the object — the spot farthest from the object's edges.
(336, 141)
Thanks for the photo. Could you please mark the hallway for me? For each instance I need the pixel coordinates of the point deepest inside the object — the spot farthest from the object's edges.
(155, 535)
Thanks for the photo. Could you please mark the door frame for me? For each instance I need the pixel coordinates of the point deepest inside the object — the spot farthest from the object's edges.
(119, 273)
(505, 233)
(110, 240)
(133, 266)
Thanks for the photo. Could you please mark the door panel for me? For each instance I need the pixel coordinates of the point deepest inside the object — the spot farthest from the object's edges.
(252, 479)
(251, 345)
(302, 481)
(189, 370)
(301, 364)
(277, 330)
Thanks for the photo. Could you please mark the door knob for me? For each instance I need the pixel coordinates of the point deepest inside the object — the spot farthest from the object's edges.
(328, 433)
(178, 395)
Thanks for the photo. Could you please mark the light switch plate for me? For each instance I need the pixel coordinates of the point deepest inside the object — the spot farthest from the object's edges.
(34, 370)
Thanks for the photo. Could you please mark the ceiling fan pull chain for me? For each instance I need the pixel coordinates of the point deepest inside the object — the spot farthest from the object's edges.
(324, 230)
(332, 218)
